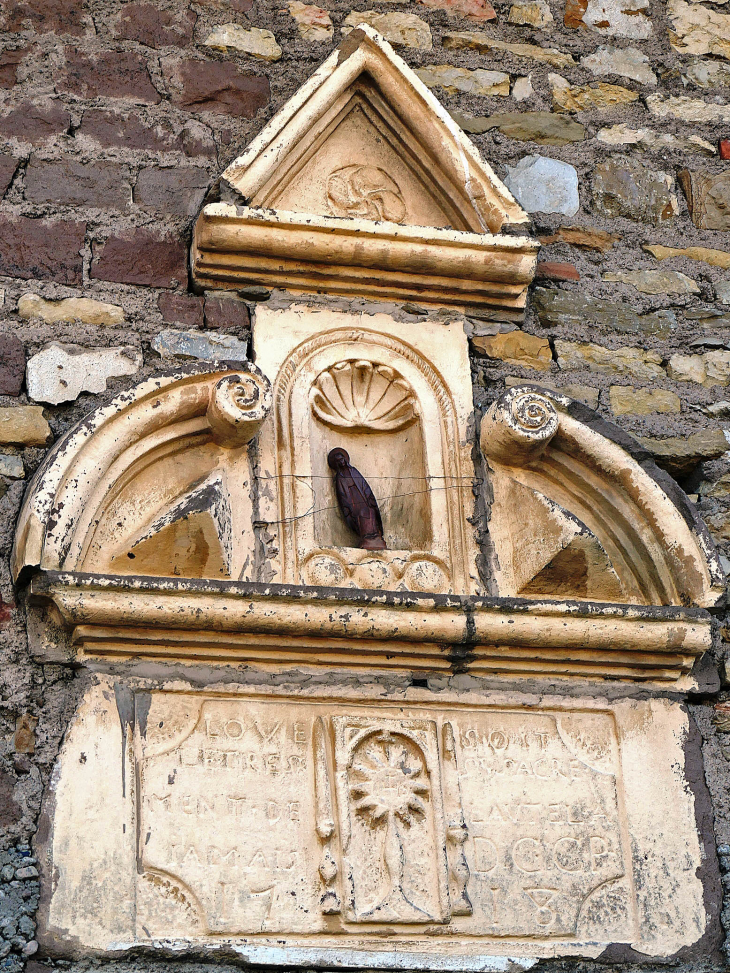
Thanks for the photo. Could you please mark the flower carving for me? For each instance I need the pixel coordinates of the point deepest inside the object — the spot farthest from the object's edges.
(389, 789)
(363, 395)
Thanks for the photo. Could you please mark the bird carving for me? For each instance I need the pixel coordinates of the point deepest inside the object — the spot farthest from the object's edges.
(357, 502)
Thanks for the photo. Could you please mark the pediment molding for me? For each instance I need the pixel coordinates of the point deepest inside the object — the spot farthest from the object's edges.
(363, 184)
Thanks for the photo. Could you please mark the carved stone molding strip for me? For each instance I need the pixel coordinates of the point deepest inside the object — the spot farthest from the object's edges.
(340, 256)
(280, 625)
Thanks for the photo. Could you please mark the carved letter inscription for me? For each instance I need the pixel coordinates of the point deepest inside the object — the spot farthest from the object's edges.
(279, 816)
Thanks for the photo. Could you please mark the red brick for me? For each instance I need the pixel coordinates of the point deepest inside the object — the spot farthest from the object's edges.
(68, 182)
(12, 364)
(224, 312)
(181, 309)
(8, 165)
(60, 16)
(130, 131)
(141, 257)
(555, 270)
(215, 86)
(9, 61)
(725, 148)
(173, 190)
(35, 123)
(111, 74)
(143, 22)
(42, 249)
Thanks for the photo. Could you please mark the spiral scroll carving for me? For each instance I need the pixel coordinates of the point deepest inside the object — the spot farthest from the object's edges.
(238, 405)
(533, 413)
(519, 426)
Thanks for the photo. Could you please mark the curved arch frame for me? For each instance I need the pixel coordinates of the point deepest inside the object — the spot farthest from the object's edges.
(662, 554)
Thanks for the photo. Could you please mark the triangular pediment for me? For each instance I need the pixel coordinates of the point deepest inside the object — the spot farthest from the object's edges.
(365, 138)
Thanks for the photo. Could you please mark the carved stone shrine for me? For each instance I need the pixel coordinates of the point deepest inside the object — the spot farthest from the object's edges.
(302, 750)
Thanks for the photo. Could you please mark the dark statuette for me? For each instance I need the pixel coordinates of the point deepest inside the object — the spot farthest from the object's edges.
(357, 503)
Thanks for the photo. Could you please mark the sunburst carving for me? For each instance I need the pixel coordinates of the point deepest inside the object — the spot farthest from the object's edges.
(358, 394)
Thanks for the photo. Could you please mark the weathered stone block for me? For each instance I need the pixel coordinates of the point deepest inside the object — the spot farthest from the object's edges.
(400, 29)
(708, 198)
(543, 185)
(60, 373)
(655, 281)
(23, 425)
(49, 250)
(11, 466)
(535, 13)
(196, 344)
(181, 309)
(698, 29)
(477, 10)
(141, 257)
(175, 190)
(617, 18)
(68, 182)
(587, 238)
(12, 364)
(59, 16)
(481, 41)
(633, 362)
(629, 189)
(642, 402)
(110, 74)
(254, 41)
(680, 454)
(216, 87)
(651, 141)
(156, 28)
(9, 61)
(576, 98)
(8, 167)
(581, 393)
(35, 122)
(132, 132)
(577, 310)
(226, 312)
(687, 109)
(478, 82)
(542, 127)
(516, 348)
(717, 258)
(627, 62)
(313, 23)
(82, 309)
(708, 74)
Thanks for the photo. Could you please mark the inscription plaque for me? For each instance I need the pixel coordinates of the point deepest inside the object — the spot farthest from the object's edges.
(274, 816)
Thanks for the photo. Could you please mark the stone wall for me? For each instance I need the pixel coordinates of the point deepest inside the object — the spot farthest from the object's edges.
(609, 122)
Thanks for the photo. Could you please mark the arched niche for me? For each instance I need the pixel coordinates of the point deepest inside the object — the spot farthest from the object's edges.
(416, 466)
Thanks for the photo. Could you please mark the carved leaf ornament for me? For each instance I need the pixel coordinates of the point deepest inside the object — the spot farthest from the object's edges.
(359, 394)
(367, 192)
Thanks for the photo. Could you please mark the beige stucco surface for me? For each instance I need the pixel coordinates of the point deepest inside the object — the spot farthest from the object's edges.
(265, 822)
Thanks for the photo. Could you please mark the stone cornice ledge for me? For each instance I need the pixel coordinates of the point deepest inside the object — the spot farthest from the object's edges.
(221, 622)
(236, 245)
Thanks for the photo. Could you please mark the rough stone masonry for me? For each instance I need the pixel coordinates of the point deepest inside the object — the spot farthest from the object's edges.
(610, 123)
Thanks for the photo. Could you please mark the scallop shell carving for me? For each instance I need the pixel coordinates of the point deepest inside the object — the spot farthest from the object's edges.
(359, 394)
